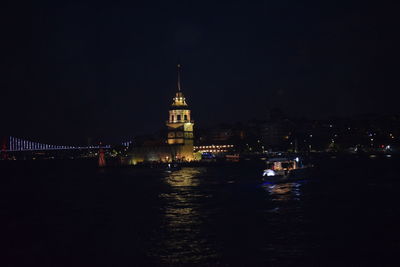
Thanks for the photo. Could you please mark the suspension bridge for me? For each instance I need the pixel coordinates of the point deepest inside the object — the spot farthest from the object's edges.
(14, 144)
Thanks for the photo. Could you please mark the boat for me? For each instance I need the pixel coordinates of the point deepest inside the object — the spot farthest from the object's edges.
(173, 167)
(285, 169)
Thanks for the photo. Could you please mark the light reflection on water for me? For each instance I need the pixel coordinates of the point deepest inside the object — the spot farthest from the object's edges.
(285, 217)
(185, 235)
(183, 241)
(283, 192)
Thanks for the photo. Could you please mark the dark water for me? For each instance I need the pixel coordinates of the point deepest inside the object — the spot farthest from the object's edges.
(72, 214)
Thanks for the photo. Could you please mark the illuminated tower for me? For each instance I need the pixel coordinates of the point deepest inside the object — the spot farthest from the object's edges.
(102, 159)
(4, 149)
(180, 125)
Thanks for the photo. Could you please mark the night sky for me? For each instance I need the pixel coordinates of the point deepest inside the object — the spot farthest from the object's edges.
(108, 69)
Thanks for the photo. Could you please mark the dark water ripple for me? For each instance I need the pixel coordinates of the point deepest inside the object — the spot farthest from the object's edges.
(183, 239)
(73, 214)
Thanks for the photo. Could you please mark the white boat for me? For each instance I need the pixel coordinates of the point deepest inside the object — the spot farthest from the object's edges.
(173, 167)
(280, 169)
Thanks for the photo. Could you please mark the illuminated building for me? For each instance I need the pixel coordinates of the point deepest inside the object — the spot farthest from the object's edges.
(215, 149)
(180, 125)
(178, 145)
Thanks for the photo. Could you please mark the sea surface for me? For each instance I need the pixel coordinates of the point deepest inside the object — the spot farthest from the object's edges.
(71, 213)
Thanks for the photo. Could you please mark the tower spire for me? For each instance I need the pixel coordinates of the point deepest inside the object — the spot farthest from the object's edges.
(179, 77)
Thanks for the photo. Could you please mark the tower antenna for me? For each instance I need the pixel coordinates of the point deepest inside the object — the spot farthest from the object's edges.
(179, 76)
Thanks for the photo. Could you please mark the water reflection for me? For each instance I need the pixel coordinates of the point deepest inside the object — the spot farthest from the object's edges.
(184, 177)
(283, 192)
(182, 239)
(284, 216)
